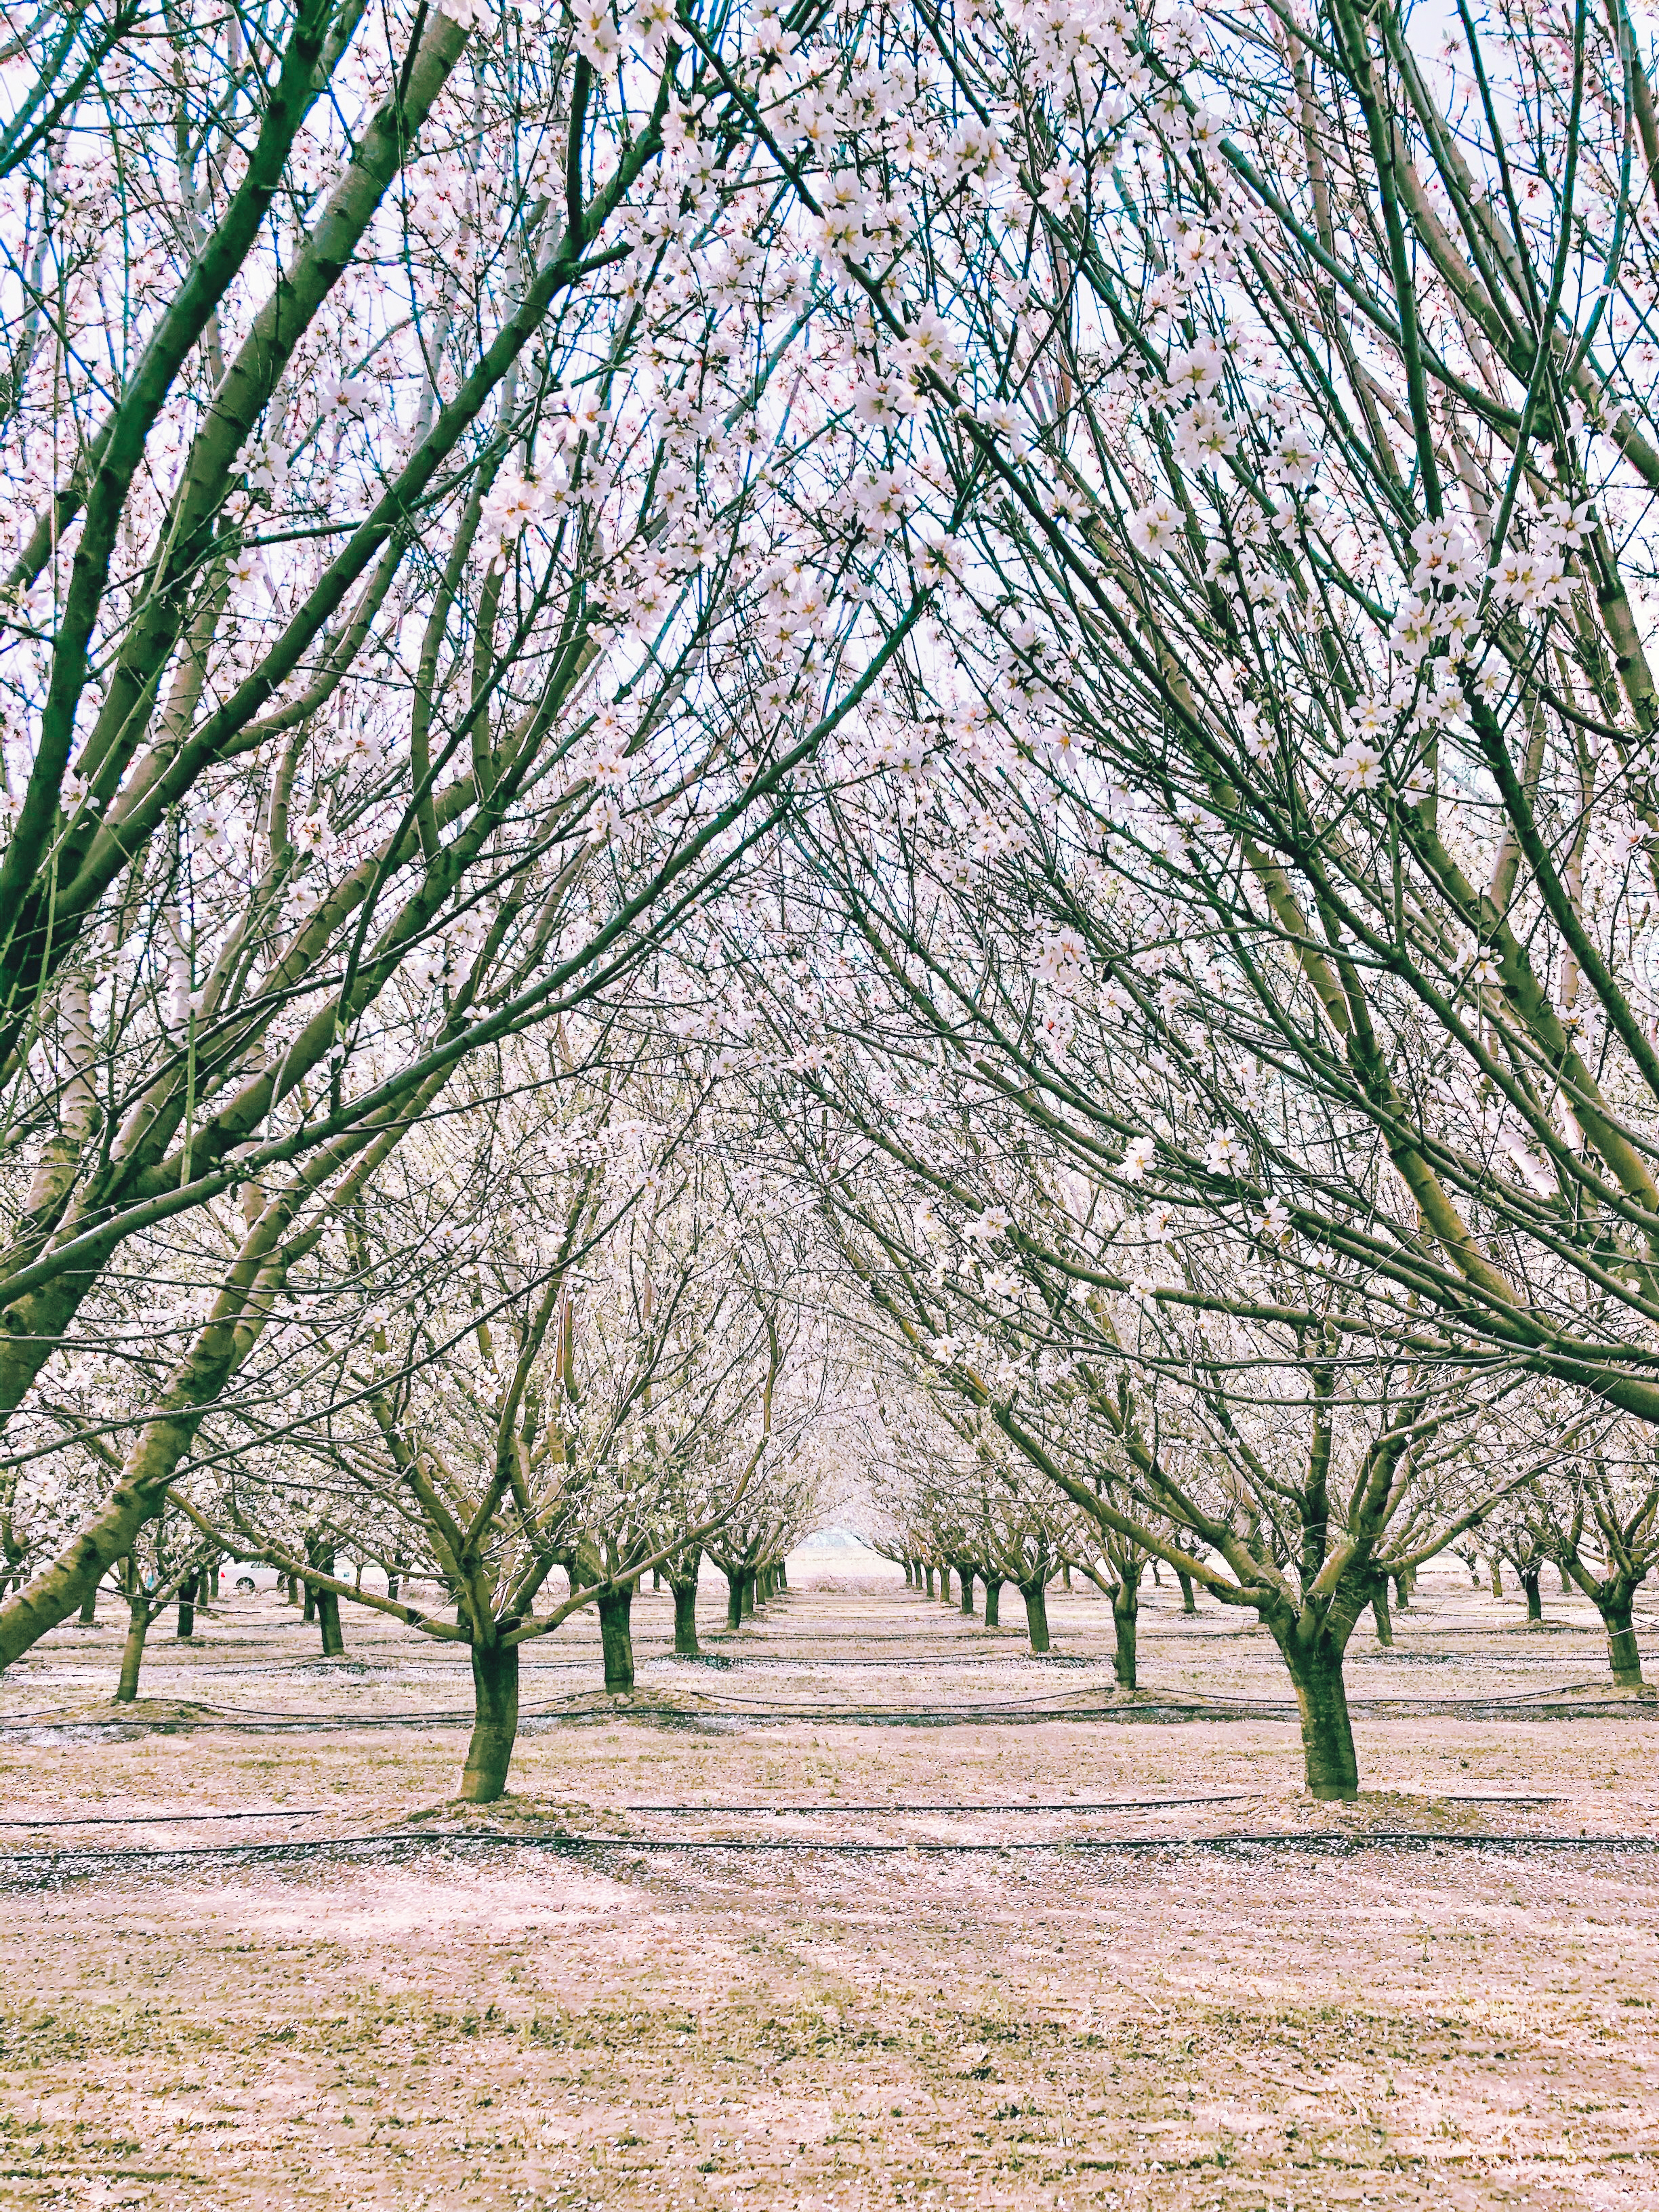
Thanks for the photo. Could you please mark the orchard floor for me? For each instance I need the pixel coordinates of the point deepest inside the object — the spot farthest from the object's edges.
(790, 1990)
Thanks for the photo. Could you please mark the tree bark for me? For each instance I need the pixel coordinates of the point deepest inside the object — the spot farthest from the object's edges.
(1188, 1602)
(1497, 1577)
(734, 1599)
(1321, 1696)
(328, 1623)
(965, 1576)
(1623, 1656)
(494, 1723)
(783, 1574)
(132, 1653)
(993, 1600)
(187, 1607)
(1380, 1612)
(927, 1573)
(685, 1618)
(1037, 1614)
(309, 1604)
(87, 1617)
(1534, 1601)
(615, 1609)
(746, 1593)
(1126, 1611)
(944, 1585)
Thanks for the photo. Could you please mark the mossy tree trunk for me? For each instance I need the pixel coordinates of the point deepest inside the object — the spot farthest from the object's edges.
(1126, 1612)
(87, 1617)
(1617, 1609)
(1328, 1748)
(1530, 1578)
(494, 1721)
(132, 1652)
(1188, 1602)
(993, 1600)
(616, 1609)
(1037, 1614)
(965, 1576)
(686, 1614)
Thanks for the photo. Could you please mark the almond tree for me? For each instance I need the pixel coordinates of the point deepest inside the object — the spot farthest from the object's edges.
(396, 399)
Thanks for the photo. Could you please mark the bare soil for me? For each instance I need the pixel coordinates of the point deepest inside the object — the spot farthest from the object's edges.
(710, 1953)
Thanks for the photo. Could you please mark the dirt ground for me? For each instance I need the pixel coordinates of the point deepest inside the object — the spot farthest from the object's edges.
(728, 1944)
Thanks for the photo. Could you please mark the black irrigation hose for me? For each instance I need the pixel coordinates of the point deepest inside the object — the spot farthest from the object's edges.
(1334, 1844)
(714, 1717)
(1106, 1805)
(1113, 1805)
(1119, 1805)
(170, 1820)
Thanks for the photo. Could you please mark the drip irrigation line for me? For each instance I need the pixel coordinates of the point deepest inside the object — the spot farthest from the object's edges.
(170, 1820)
(1544, 1706)
(1106, 1805)
(1336, 1843)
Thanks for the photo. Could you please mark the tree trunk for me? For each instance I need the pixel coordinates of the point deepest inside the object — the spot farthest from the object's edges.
(928, 1574)
(494, 1723)
(783, 1574)
(1037, 1614)
(328, 1623)
(734, 1600)
(1529, 1581)
(685, 1618)
(1497, 1577)
(310, 1613)
(1622, 1654)
(132, 1655)
(907, 1574)
(1380, 1612)
(746, 1593)
(944, 1585)
(1402, 1593)
(391, 1586)
(88, 1614)
(1321, 1698)
(1188, 1602)
(993, 1600)
(1126, 1609)
(187, 1607)
(615, 1609)
(965, 1575)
